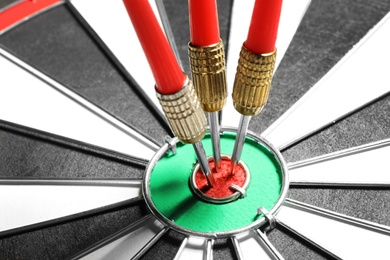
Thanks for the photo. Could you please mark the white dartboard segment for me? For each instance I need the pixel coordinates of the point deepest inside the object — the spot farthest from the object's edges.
(129, 243)
(351, 84)
(290, 18)
(113, 26)
(365, 165)
(29, 202)
(195, 248)
(252, 245)
(30, 98)
(346, 237)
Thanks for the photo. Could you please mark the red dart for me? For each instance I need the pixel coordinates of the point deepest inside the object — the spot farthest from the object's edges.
(166, 70)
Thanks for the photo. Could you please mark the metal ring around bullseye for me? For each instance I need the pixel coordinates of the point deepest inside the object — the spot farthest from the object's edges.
(213, 235)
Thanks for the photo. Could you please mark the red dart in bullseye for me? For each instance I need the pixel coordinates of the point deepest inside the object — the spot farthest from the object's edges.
(207, 60)
(255, 68)
(174, 89)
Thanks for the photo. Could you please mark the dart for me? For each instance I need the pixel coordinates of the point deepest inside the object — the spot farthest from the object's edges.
(255, 68)
(174, 89)
(208, 69)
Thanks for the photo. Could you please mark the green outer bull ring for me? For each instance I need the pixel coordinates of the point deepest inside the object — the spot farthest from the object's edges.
(260, 221)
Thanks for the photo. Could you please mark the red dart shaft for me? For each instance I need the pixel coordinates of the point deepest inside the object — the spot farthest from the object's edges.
(204, 28)
(264, 26)
(166, 70)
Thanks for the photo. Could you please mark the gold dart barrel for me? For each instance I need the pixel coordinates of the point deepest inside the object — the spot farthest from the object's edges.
(253, 81)
(184, 114)
(208, 71)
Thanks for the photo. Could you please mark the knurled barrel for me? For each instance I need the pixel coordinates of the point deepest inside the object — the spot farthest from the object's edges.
(184, 114)
(208, 71)
(253, 81)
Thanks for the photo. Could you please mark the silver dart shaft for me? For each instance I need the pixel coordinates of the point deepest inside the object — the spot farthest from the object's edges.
(203, 162)
(238, 145)
(214, 131)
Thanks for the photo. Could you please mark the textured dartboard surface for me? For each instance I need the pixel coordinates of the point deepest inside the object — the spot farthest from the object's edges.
(58, 44)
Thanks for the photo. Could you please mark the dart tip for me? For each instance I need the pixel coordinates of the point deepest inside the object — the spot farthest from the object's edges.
(233, 167)
(215, 137)
(210, 179)
(217, 165)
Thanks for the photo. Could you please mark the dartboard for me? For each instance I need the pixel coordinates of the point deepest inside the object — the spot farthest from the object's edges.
(82, 137)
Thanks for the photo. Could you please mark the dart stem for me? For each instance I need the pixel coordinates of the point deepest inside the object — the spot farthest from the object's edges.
(204, 163)
(240, 139)
(215, 138)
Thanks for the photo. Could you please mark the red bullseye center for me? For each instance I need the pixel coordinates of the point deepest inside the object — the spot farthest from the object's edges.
(223, 179)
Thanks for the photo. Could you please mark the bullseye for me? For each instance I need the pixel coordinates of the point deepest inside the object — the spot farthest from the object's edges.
(228, 186)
